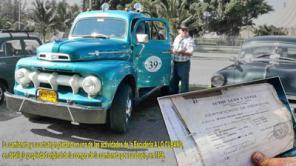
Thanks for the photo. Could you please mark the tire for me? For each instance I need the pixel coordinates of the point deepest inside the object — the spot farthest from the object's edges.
(165, 90)
(121, 109)
(2, 90)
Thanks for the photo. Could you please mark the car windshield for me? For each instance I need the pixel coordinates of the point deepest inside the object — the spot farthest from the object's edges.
(100, 28)
(265, 50)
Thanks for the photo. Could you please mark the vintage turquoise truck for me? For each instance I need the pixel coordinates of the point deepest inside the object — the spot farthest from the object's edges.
(110, 59)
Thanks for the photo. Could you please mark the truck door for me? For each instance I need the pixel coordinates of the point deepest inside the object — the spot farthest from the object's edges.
(153, 60)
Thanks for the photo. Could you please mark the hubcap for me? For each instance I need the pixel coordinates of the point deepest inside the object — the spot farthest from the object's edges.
(128, 110)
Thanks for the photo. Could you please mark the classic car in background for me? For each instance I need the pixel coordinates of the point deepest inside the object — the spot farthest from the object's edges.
(96, 74)
(262, 57)
(13, 46)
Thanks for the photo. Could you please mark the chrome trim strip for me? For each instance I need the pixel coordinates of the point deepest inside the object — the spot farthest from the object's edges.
(98, 53)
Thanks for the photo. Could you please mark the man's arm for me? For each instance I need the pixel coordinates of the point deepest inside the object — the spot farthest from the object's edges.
(175, 45)
(185, 53)
(189, 48)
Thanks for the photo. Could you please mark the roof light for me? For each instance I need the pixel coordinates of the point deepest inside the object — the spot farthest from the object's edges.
(105, 6)
(138, 7)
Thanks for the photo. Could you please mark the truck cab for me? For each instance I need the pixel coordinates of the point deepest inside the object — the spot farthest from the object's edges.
(110, 59)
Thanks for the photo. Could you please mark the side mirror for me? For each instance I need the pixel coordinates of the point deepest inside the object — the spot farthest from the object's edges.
(142, 38)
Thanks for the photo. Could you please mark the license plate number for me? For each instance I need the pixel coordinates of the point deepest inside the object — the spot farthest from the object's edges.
(47, 95)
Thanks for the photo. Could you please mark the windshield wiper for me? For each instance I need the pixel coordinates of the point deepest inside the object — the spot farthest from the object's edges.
(278, 60)
(96, 35)
(269, 56)
(287, 59)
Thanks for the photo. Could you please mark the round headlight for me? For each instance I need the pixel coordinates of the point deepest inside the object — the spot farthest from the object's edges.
(22, 77)
(91, 85)
(218, 80)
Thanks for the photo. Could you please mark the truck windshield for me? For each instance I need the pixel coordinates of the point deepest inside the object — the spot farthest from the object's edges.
(101, 27)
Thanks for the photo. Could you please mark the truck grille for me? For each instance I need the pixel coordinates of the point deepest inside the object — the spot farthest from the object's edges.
(56, 81)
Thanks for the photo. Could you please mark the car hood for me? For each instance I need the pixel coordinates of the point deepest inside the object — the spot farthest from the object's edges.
(84, 49)
(227, 68)
(98, 67)
(259, 70)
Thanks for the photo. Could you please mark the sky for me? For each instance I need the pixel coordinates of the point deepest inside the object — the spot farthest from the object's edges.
(79, 2)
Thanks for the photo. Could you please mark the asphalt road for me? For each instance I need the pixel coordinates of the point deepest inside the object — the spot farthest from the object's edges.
(204, 65)
(146, 125)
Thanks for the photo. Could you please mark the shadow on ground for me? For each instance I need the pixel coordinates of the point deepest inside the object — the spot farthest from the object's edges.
(146, 125)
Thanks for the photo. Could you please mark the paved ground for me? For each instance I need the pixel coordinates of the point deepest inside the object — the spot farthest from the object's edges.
(147, 125)
(204, 65)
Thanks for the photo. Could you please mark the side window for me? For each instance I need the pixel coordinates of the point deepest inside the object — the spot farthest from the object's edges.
(143, 28)
(12, 48)
(2, 53)
(158, 30)
(30, 46)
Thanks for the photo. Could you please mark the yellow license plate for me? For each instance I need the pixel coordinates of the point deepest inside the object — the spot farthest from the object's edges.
(47, 95)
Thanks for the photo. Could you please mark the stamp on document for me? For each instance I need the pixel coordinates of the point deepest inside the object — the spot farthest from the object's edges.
(280, 130)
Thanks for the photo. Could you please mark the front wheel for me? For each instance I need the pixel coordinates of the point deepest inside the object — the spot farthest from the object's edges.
(165, 90)
(2, 90)
(121, 109)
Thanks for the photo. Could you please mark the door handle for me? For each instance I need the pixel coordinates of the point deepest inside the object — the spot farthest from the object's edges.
(166, 52)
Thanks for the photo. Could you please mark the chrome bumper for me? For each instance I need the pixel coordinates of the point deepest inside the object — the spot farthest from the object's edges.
(74, 113)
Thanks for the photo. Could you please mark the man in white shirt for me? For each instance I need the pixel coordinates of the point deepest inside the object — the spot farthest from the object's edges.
(183, 48)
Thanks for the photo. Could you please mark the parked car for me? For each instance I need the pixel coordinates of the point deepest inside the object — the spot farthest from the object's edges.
(263, 57)
(96, 74)
(13, 46)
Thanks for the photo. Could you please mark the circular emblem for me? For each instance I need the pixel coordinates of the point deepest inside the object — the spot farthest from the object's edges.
(153, 64)
(280, 130)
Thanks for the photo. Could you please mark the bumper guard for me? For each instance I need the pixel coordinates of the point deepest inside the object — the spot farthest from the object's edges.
(74, 113)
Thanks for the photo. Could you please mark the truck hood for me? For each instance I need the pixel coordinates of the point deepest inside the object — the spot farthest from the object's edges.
(84, 49)
(98, 68)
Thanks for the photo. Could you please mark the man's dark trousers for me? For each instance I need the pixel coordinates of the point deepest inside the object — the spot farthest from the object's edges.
(180, 73)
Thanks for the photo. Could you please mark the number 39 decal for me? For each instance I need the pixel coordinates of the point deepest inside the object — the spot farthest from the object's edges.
(153, 64)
